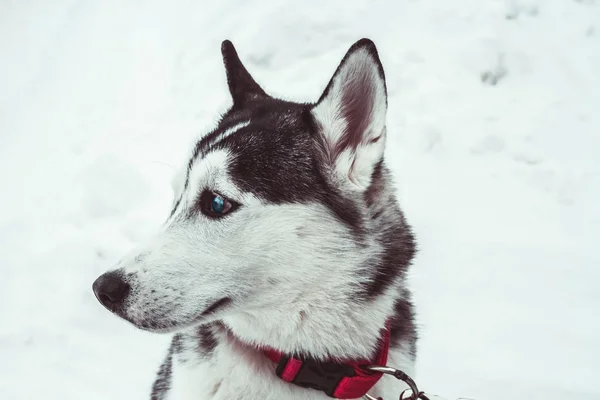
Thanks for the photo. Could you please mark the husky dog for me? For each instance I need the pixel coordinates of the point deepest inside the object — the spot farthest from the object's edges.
(284, 234)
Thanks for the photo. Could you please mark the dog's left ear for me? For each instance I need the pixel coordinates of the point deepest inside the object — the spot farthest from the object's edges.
(241, 84)
(351, 115)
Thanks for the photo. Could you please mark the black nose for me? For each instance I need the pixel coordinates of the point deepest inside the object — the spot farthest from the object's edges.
(111, 290)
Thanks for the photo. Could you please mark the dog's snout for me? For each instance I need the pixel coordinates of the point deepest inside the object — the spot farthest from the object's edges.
(111, 290)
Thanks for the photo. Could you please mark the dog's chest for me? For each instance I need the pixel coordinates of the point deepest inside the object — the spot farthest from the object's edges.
(227, 375)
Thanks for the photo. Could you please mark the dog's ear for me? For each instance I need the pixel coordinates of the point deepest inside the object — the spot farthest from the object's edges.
(351, 115)
(241, 84)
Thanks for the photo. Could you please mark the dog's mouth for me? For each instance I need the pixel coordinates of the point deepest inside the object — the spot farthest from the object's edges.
(160, 321)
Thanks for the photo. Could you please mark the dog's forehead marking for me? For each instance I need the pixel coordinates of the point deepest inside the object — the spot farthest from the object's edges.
(213, 141)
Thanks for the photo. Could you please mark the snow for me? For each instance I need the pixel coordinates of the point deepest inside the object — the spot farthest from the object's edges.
(493, 129)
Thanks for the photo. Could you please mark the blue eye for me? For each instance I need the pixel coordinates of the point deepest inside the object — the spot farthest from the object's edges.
(214, 205)
(217, 204)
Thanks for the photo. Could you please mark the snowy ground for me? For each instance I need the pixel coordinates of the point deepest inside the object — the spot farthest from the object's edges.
(494, 129)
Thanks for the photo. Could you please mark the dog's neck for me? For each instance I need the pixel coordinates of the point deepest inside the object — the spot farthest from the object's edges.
(321, 331)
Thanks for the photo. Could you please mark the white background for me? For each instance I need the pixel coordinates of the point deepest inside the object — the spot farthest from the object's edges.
(99, 100)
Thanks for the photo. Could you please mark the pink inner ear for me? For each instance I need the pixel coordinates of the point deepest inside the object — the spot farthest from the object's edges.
(357, 100)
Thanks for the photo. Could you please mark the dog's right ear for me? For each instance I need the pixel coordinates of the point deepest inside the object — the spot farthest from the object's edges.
(351, 115)
(241, 84)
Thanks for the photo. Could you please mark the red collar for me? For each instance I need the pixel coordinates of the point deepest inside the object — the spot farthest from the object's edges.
(340, 380)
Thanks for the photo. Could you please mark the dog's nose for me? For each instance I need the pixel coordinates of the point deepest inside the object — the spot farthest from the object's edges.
(111, 289)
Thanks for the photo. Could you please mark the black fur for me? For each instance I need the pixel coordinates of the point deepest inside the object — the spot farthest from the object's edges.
(207, 342)
(392, 231)
(403, 329)
(241, 85)
(162, 384)
(217, 306)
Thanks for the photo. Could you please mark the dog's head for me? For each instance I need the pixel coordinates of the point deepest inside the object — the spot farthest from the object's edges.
(278, 203)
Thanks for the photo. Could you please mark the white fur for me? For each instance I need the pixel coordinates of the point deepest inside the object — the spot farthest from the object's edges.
(230, 131)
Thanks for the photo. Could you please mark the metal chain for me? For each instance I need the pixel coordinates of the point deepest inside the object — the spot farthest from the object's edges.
(413, 392)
